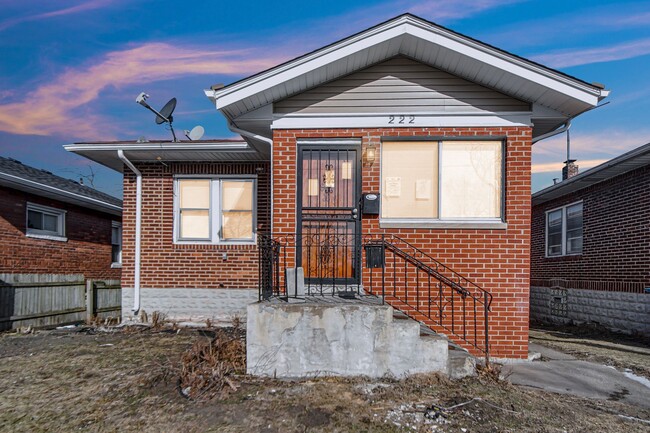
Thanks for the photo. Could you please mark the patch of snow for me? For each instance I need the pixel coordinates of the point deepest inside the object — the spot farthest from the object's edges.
(642, 380)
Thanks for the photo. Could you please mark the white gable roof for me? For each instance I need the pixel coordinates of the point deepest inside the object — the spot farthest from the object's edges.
(557, 95)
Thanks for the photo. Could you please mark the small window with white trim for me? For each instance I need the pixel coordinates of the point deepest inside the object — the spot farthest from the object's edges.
(564, 230)
(214, 210)
(45, 221)
(116, 244)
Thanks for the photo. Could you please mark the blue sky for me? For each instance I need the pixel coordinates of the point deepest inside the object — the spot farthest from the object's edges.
(71, 70)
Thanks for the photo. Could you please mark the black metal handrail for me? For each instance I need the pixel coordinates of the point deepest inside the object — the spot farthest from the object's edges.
(331, 263)
(411, 280)
(444, 302)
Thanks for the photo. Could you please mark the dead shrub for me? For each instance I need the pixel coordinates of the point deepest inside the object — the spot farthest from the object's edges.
(209, 368)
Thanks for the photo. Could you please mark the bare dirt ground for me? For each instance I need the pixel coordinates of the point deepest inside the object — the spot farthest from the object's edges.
(61, 381)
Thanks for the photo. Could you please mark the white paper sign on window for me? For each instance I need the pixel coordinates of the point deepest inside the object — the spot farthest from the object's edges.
(393, 186)
(423, 189)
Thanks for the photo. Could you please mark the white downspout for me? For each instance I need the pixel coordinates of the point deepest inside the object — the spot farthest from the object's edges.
(138, 228)
(254, 136)
(565, 128)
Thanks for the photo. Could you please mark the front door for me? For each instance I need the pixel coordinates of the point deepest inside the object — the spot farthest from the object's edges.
(329, 191)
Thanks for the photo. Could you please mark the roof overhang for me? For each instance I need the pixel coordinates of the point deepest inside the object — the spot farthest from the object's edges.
(43, 190)
(105, 153)
(627, 162)
(562, 96)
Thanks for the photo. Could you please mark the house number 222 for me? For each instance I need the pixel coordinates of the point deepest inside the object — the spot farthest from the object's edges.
(401, 119)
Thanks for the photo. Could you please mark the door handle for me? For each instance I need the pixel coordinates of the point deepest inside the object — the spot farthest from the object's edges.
(355, 212)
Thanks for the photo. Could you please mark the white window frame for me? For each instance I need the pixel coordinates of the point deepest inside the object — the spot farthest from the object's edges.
(447, 223)
(116, 225)
(215, 210)
(58, 235)
(563, 252)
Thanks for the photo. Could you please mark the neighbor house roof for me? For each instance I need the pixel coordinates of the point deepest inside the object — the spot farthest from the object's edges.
(554, 96)
(105, 152)
(629, 161)
(16, 175)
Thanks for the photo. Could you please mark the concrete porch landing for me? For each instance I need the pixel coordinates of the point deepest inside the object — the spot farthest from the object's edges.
(338, 339)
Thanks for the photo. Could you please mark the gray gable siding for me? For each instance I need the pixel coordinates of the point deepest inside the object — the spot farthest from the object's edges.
(400, 84)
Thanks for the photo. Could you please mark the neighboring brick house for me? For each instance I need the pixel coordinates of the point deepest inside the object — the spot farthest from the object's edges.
(52, 225)
(590, 250)
(455, 118)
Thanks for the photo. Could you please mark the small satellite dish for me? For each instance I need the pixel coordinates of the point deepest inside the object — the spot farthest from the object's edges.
(196, 133)
(165, 114)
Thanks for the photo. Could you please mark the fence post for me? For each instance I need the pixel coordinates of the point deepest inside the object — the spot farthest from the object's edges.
(90, 299)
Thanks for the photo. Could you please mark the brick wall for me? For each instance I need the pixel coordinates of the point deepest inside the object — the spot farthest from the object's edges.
(616, 243)
(165, 265)
(497, 260)
(87, 250)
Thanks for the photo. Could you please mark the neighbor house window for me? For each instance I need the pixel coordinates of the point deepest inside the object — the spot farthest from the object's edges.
(442, 181)
(213, 210)
(564, 230)
(116, 243)
(45, 221)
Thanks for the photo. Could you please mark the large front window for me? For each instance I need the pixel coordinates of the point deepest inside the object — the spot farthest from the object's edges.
(429, 181)
(214, 210)
(564, 230)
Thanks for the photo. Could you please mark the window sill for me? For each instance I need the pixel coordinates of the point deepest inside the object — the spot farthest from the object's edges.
(116, 265)
(564, 256)
(47, 237)
(216, 244)
(457, 224)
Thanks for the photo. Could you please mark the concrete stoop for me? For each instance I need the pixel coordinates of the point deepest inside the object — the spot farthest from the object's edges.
(311, 339)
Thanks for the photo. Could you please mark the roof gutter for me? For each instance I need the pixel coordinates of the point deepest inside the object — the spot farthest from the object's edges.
(566, 127)
(108, 207)
(138, 228)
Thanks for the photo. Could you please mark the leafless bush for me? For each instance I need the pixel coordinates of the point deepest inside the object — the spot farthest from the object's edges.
(209, 368)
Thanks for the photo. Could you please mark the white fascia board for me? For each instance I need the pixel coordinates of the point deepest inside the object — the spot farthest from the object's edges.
(36, 186)
(525, 70)
(155, 146)
(357, 120)
(432, 34)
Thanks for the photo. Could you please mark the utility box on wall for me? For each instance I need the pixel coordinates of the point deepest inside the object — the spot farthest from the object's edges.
(375, 256)
(370, 203)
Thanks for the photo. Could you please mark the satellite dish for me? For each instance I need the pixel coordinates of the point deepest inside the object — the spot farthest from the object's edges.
(196, 133)
(165, 114)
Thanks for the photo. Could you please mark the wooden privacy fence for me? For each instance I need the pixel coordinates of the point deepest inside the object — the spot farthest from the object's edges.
(54, 299)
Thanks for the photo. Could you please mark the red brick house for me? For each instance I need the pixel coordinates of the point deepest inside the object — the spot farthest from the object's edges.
(590, 248)
(407, 136)
(52, 225)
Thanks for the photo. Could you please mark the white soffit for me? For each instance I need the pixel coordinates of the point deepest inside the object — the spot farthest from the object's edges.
(106, 153)
(422, 41)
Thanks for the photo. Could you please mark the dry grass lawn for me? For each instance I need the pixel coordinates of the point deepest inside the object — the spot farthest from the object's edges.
(54, 381)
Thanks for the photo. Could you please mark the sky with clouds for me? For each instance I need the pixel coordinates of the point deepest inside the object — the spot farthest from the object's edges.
(71, 69)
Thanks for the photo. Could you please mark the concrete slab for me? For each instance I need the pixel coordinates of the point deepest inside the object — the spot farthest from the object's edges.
(548, 353)
(312, 339)
(580, 378)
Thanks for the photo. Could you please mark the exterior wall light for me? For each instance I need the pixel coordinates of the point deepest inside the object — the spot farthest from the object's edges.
(370, 154)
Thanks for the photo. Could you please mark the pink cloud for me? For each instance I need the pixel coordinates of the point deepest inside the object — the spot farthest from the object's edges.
(550, 167)
(81, 7)
(566, 58)
(453, 9)
(54, 107)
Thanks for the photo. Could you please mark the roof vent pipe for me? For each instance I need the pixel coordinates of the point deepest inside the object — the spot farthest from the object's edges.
(138, 228)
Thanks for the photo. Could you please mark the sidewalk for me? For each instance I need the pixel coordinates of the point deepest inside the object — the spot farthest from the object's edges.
(560, 372)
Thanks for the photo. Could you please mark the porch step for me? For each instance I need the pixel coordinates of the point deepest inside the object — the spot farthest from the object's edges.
(460, 363)
(342, 339)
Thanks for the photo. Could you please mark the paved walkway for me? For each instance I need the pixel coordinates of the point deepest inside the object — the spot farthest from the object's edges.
(563, 373)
